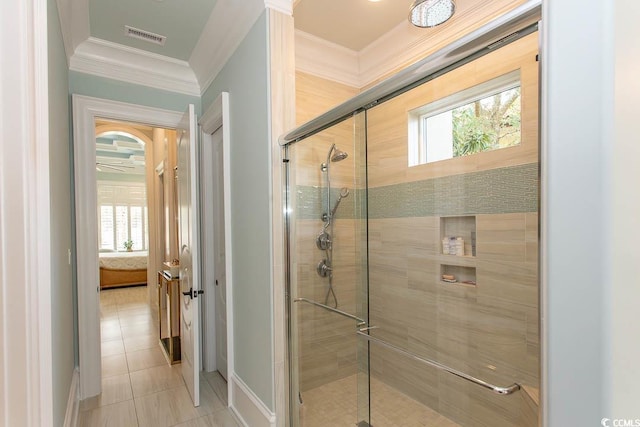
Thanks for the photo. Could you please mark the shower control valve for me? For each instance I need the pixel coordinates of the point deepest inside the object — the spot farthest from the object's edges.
(324, 268)
(323, 241)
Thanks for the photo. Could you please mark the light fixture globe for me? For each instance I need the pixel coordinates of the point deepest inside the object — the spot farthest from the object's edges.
(429, 13)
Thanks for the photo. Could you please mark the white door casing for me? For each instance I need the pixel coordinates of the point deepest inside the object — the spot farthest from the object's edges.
(26, 366)
(217, 117)
(207, 307)
(188, 232)
(213, 304)
(220, 255)
(85, 111)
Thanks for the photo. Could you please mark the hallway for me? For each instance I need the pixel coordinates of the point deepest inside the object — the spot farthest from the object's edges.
(139, 388)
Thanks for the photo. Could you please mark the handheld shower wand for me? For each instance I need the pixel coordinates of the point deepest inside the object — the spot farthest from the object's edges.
(323, 241)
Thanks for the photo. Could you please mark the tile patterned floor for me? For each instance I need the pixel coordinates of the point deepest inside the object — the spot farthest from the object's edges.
(335, 404)
(139, 388)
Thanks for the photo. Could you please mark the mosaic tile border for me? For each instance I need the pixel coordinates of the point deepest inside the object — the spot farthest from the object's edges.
(504, 190)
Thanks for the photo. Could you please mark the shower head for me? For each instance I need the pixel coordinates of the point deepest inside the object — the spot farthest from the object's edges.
(339, 155)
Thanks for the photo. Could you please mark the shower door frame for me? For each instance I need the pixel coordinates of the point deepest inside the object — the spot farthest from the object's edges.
(291, 370)
(505, 29)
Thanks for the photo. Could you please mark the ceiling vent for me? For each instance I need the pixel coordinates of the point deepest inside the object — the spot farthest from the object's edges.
(137, 33)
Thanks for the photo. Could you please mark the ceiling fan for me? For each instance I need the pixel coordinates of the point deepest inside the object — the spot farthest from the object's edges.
(118, 166)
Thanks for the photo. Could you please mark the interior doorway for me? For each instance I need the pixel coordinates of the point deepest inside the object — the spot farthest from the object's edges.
(86, 113)
(131, 159)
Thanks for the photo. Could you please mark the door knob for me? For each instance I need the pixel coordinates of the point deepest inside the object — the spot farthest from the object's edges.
(191, 293)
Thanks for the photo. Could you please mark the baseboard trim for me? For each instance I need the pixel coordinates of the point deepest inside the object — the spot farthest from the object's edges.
(248, 407)
(73, 403)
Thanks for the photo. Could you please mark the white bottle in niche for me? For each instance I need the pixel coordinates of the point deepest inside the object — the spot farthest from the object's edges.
(459, 246)
(452, 245)
(445, 246)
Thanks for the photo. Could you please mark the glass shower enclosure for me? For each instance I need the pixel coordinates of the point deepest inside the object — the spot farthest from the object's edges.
(412, 283)
(326, 203)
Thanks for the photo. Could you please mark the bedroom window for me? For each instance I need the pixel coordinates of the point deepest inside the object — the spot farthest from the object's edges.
(122, 217)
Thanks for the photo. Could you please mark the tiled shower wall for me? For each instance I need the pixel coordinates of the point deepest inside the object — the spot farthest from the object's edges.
(489, 330)
(326, 341)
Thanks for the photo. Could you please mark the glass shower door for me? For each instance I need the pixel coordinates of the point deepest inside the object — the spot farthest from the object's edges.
(326, 209)
(453, 247)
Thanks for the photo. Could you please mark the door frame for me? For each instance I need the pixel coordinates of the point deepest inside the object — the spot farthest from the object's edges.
(216, 116)
(26, 259)
(85, 111)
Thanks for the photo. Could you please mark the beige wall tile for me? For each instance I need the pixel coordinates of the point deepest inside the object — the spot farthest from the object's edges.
(387, 154)
(315, 95)
(489, 330)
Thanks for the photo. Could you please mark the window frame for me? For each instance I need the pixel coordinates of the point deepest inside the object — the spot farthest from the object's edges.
(115, 200)
(417, 117)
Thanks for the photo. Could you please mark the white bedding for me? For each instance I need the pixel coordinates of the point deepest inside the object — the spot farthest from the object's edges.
(124, 260)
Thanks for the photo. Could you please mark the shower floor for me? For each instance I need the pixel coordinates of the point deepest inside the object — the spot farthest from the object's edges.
(335, 404)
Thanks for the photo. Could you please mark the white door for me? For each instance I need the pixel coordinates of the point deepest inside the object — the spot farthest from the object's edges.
(189, 253)
(219, 256)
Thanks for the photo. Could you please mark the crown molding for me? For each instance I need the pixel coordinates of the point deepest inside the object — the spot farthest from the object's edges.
(401, 46)
(406, 44)
(395, 48)
(358, 69)
(114, 61)
(327, 60)
(283, 6)
(74, 22)
(229, 23)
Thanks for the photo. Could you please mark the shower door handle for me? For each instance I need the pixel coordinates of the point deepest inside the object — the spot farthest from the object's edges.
(494, 388)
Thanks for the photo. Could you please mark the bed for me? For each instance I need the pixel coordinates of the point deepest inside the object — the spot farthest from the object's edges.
(122, 269)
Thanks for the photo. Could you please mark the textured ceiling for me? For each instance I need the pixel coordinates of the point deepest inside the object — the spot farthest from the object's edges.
(181, 21)
(117, 153)
(350, 23)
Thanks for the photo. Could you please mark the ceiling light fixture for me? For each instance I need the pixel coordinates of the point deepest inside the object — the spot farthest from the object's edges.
(429, 13)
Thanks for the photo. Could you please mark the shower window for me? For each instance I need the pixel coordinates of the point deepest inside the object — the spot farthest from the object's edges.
(484, 117)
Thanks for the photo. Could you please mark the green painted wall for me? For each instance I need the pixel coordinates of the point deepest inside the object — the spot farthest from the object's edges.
(63, 293)
(115, 90)
(245, 77)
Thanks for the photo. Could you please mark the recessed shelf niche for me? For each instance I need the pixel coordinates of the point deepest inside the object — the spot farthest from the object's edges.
(460, 226)
(461, 273)
(462, 267)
